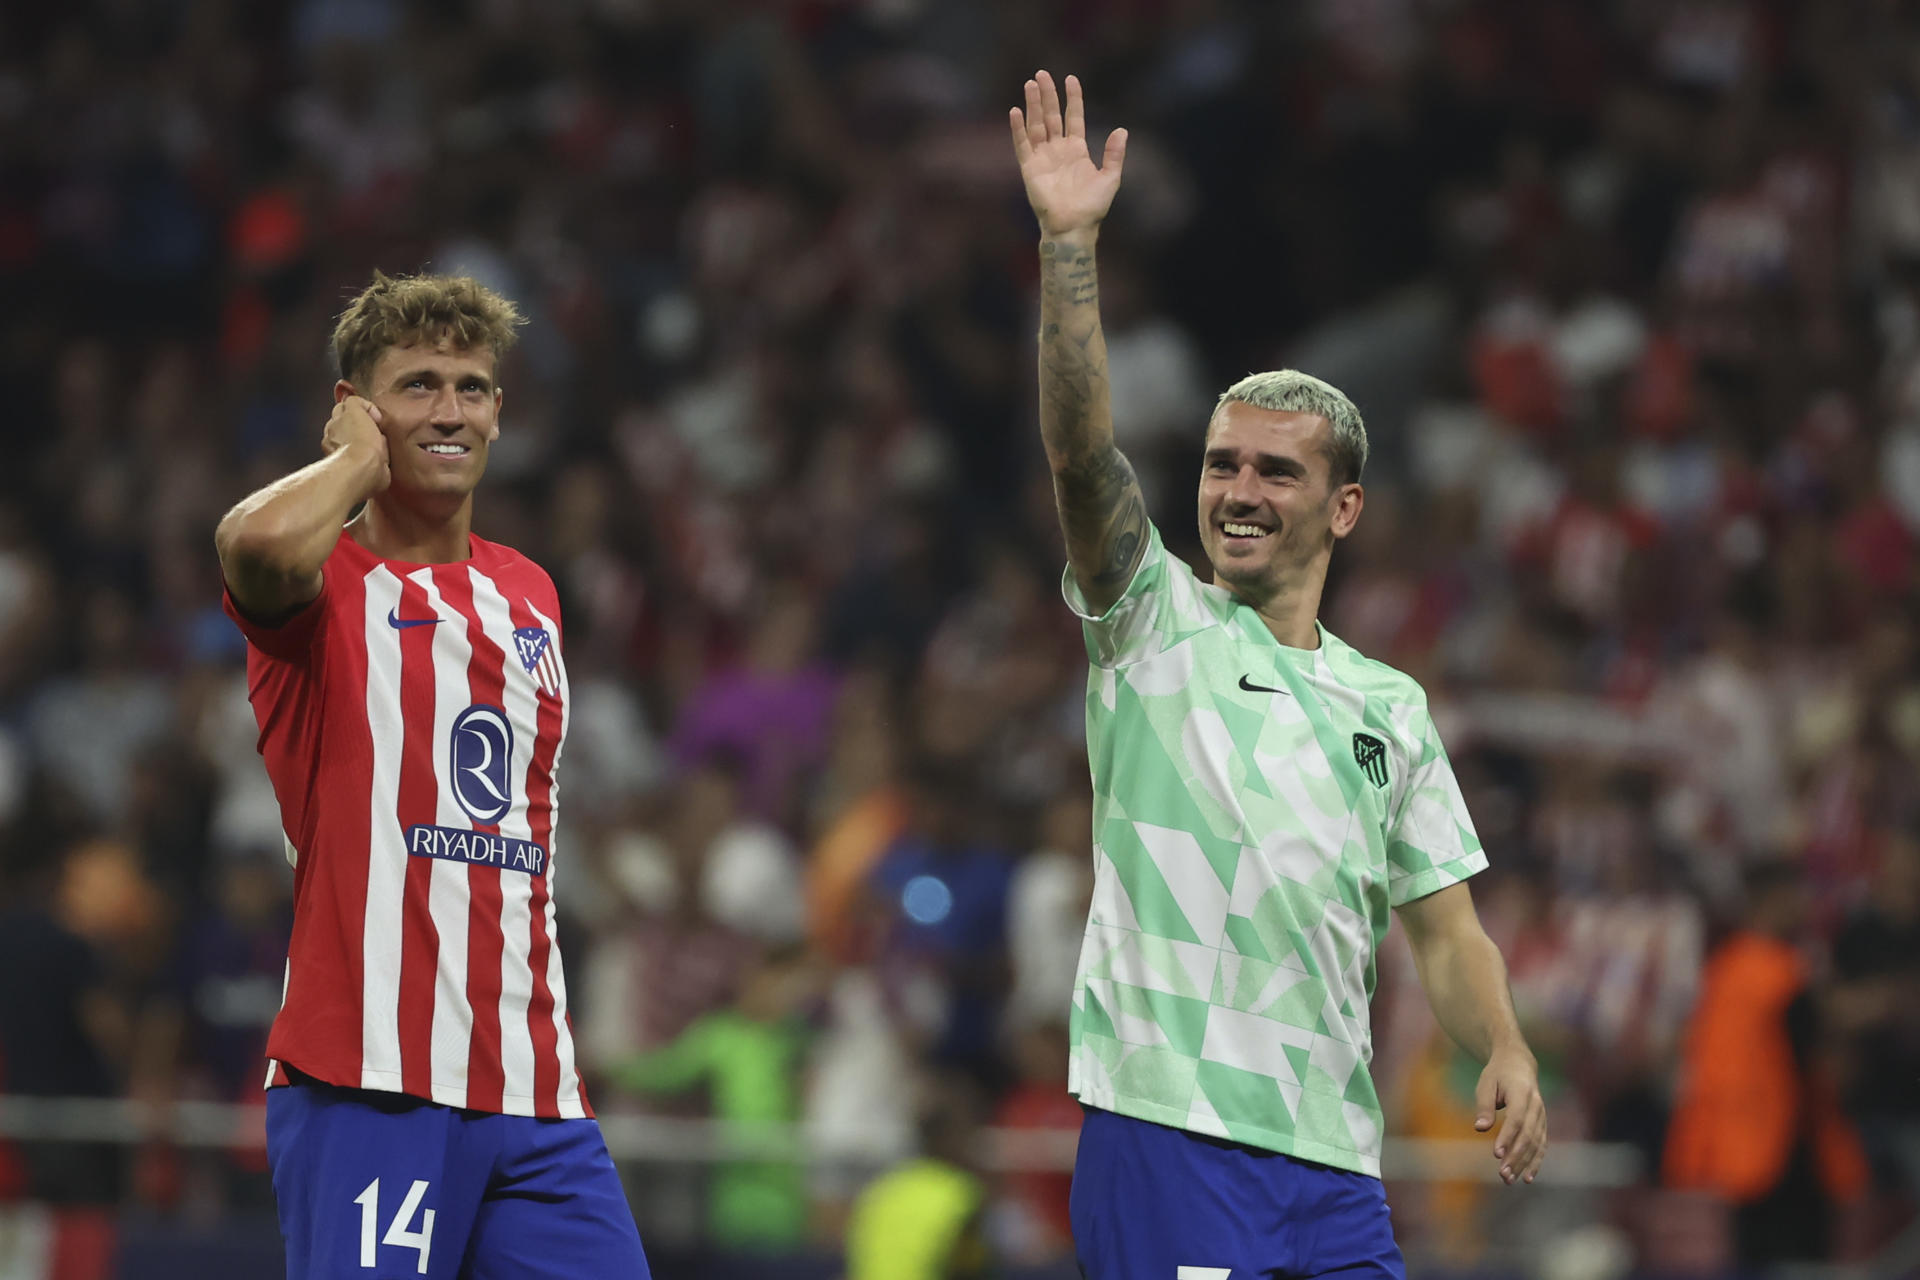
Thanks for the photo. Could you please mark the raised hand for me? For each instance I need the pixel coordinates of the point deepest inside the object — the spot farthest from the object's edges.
(1068, 192)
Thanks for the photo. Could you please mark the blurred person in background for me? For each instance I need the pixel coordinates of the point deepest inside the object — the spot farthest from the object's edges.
(82, 939)
(857, 1111)
(999, 685)
(1755, 1117)
(716, 856)
(749, 1058)
(406, 676)
(1250, 835)
(773, 710)
(697, 884)
(1874, 1003)
(663, 956)
(90, 727)
(1031, 1222)
(924, 1219)
(1046, 907)
(227, 982)
(661, 959)
(940, 894)
(860, 807)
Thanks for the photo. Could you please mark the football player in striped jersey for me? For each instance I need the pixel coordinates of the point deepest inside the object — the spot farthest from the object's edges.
(424, 1112)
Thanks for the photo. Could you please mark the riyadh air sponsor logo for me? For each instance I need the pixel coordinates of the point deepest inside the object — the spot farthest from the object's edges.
(479, 848)
(1371, 755)
(481, 762)
(535, 648)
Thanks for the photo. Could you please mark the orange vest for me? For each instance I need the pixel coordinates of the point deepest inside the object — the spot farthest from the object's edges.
(1743, 1102)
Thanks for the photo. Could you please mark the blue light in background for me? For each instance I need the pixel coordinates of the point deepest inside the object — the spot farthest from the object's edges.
(926, 900)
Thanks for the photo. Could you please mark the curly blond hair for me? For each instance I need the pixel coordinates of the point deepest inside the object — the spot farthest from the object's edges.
(399, 311)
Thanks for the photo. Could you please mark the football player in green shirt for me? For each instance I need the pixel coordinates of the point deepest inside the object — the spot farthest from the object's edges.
(1265, 798)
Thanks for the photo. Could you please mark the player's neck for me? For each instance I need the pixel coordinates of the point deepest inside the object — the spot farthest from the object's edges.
(1292, 620)
(1291, 610)
(395, 531)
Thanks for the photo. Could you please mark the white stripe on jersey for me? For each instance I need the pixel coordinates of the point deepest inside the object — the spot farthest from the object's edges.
(516, 891)
(448, 892)
(569, 1099)
(569, 1093)
(286, 980)
(381, 933)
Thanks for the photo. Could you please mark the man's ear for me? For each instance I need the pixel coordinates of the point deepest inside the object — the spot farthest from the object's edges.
(1347, 502)
(499, 398)
(342, 389)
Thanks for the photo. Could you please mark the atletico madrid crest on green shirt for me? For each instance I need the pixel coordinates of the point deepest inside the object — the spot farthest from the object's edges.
(1371, 755)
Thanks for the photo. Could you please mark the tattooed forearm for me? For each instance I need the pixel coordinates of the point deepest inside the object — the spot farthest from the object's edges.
(1068, 274)
(1074, 409)
(1102, 512)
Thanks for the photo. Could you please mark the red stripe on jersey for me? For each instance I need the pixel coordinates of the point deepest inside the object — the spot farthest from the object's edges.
(319, 1026)
(546, 1038)
(486, 683)
(546, 1041)
(419, 803)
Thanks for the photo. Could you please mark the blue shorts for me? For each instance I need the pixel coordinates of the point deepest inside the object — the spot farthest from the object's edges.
(1154, 1203)
(377, 1186)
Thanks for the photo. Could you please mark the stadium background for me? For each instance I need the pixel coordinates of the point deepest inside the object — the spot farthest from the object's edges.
(1629, 293)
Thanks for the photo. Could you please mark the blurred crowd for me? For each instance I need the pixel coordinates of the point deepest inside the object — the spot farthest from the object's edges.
(1629, 292)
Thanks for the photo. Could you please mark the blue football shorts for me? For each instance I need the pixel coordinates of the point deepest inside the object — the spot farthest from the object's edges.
(1154, 1203)
(378, 1186)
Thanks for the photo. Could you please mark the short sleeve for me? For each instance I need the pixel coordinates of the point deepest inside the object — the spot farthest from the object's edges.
(1431, 843)
(1136, 625)
(291, 639)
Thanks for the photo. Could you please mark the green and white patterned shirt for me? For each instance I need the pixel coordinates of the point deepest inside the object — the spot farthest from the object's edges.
(1258, 809)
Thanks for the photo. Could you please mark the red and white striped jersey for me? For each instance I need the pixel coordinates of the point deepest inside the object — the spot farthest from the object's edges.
(411, 719)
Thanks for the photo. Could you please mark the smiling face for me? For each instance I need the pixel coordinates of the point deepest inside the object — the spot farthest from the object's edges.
(1269, 512)
(439, 410)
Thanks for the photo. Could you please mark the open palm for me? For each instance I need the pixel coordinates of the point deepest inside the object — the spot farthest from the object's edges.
(1067, 190)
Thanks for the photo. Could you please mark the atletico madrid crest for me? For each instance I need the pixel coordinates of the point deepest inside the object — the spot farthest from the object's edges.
(1371, 755)
(536, 655)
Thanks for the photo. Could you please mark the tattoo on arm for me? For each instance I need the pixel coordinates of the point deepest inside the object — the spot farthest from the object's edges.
(1074, 414)
(1068, 274)
(1102, 511)
(1104, 516)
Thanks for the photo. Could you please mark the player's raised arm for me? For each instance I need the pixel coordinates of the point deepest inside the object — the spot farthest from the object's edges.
(1102, 512)
(273, 544)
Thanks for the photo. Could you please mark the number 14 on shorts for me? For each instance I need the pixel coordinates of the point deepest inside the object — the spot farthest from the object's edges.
(400, 1231)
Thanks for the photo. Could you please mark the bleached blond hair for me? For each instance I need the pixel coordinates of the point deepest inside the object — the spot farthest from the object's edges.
(1291, 391)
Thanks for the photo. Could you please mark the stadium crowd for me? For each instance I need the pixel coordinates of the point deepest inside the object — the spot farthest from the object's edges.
(1629, 293)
